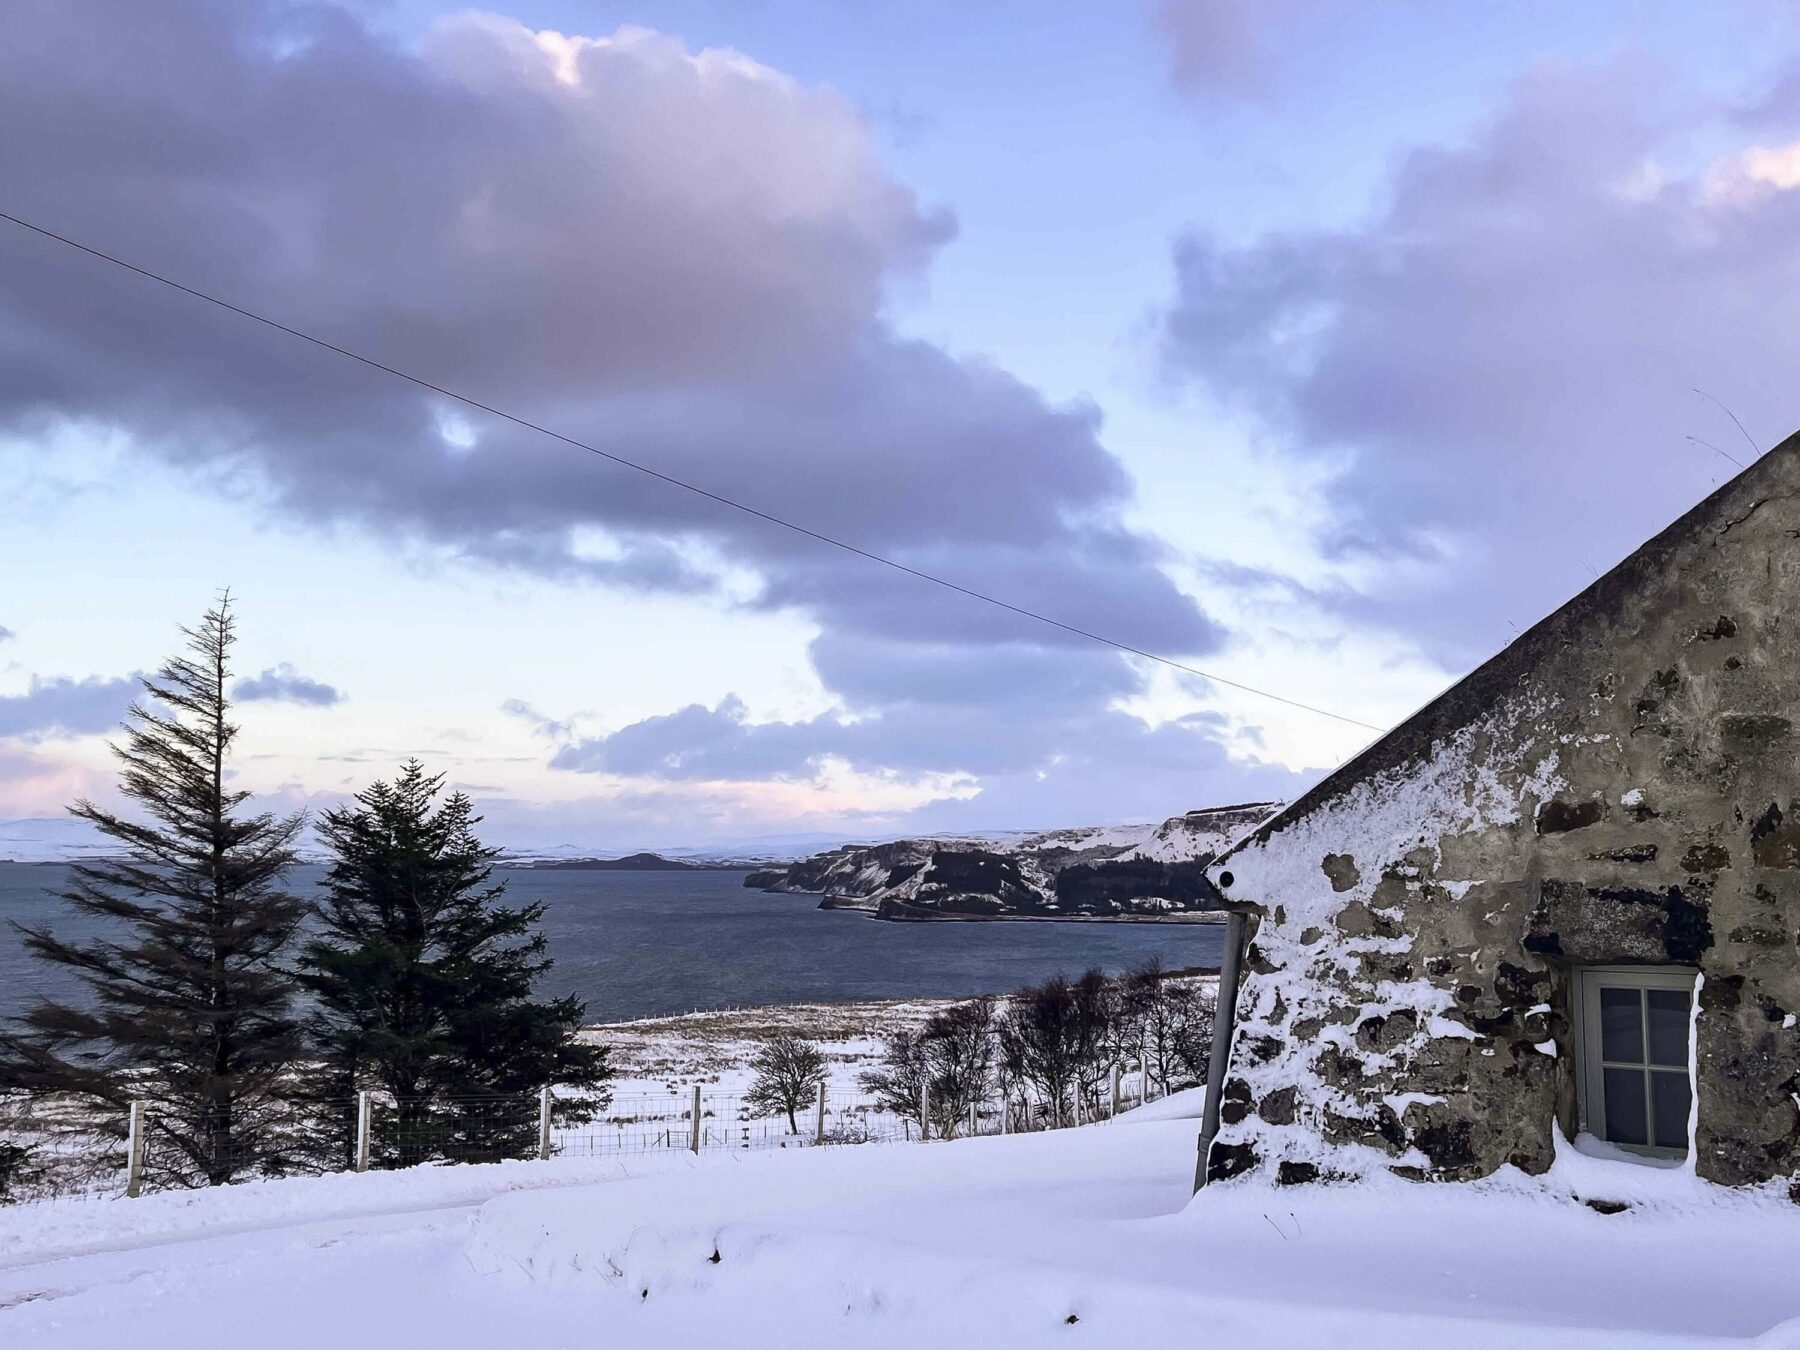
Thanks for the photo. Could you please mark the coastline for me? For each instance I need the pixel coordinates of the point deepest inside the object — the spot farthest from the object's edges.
(899, 912)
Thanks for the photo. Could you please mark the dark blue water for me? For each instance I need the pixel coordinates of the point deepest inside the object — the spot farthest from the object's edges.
(645, 944)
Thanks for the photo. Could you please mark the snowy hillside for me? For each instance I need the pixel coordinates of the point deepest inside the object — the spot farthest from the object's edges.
(1117, 871)
(1083, 1237)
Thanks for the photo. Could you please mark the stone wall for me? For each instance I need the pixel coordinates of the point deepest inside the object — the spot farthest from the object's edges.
(1622, 785)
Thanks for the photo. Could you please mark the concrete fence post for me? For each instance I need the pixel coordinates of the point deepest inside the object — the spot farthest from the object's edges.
(544, 1123)
(694, 1134)
(1112, 1108)
(134, 1152)
(363, 1115)
(974, 1119)
(924, 1111)
(819, 1119)
(1005, 1114)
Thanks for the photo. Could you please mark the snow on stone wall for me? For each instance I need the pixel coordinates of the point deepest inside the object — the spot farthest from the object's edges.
(1339, 1022)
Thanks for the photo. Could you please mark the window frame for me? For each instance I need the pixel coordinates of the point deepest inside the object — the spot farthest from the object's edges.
(1589, 1078)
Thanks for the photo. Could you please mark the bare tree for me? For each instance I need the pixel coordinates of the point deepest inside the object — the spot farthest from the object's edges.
(950, 1059)
(789, 1070)
(1137, 990)
(1191, 1031)
(960, 1049)
(1039, 1043)
(896, 1080)
(1177, 1034)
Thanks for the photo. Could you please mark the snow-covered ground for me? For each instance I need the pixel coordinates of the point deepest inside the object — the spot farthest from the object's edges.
(714, 1048)
(658, 1062)
(1083, 1236)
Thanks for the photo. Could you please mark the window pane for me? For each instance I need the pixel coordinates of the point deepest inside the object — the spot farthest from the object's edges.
(1625, 1123)
(1669, 1099)
(1622, 1026)
(1668, 1026)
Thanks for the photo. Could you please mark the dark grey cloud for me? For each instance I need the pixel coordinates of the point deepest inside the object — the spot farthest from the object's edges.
(284, 684)
(1503, 356)
(681, 257)
(66, 707)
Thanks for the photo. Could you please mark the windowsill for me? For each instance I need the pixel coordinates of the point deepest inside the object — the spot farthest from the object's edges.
(1604, 1151)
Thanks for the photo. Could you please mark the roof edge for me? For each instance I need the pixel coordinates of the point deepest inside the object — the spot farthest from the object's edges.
(1458, 704)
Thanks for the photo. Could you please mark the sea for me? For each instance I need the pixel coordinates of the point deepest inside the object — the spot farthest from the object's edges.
(650, 944)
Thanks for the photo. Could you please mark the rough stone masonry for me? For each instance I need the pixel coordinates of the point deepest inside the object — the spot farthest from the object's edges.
(1620, 785)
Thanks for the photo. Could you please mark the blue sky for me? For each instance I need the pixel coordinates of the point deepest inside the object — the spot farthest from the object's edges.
(1323, 346)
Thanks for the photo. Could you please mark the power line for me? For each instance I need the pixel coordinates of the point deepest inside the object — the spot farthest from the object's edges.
(672, 481)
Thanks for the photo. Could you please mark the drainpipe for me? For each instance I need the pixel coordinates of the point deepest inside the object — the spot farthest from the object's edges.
(1224, 1024)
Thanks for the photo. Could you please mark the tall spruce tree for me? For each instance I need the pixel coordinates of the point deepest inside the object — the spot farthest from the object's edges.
(422, 983)
(189, 1009)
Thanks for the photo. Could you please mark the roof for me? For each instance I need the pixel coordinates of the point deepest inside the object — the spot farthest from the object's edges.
(1471, 696)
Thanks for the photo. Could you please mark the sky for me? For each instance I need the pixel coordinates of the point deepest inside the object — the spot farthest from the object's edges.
(1322, 347)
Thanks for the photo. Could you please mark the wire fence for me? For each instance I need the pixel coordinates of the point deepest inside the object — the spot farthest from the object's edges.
(52, 1148)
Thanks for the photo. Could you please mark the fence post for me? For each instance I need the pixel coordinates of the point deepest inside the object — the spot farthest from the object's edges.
(544, 1123)
(974, 1119)
(1005, 1113)
(694, 1135)
(134, 1152)
(924, 1111)
(1112, 1109)
(363, 1131)
(819, 1120)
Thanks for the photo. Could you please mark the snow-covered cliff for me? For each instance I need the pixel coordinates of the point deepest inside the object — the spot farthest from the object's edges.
(1113, 871)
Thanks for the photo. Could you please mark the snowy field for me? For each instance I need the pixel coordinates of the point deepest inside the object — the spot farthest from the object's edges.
(668, 1055)
(659, 1061)
(658, 1064)
(1083, 1236)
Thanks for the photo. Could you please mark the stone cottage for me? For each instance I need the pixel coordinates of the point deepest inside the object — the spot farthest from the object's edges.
(1562, 899)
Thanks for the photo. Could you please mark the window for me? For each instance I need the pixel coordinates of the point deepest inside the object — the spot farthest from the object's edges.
(1634, 1025)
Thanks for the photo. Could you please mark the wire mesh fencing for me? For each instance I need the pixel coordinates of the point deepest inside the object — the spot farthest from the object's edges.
(729, 1121)
(48, 1151)
(58, 1149)
(406, 1132)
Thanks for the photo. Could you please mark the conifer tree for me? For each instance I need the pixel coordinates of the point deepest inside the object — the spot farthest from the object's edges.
(422, 983)
(188, 1008)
